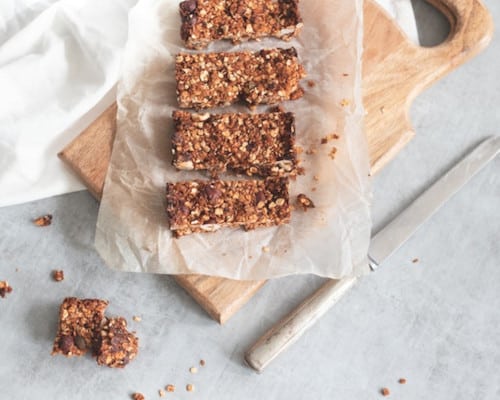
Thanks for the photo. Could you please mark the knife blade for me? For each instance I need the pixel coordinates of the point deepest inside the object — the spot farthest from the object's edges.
(383, 244)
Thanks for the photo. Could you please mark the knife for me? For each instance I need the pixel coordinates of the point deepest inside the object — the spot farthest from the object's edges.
(382, 245)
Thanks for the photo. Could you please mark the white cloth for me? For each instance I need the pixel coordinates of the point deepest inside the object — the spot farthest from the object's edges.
(59, 62)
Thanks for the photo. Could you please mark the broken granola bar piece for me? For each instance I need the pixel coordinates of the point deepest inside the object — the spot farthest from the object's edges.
(206, 80)
(254, 144)
(205, 206)
(304, 202)
(79, 322)
(116, 346)
(204, 21)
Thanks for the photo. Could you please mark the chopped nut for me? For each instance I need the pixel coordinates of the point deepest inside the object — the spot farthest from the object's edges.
(304, 202)
(190, 387)
(202, 362)
(136, 318)
(4, 288)
(44, 220)
(161, 393)
(58, 275)
(193, 370)
(170, 388)
(402, 381)
(138, 396)
(385, 391)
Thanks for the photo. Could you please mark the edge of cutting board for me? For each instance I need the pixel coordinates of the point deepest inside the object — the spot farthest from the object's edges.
(395, 71)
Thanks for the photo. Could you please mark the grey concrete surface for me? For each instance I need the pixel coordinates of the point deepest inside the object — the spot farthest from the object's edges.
(435, 322)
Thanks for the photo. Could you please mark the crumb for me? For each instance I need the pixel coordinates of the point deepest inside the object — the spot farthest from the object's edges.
(136, 318)
(385, 391)
(324, 140)
(190, 387)
(313, 189)
(161, 393)
(311, 83)
(344, 102)
(138, 396)
(304, 202)
(345, 74)
(299, 150)
(4, 288)
(316, 178)
(332, 152)
(17, 269)
(250, 257)
(402, 381)
(415, 260)
(382, 109)
(193, 370)
(58, 275)
(170, 388)
(265, 249)
(202, 363)
(311, 151)
(301, 171)
(44, 220)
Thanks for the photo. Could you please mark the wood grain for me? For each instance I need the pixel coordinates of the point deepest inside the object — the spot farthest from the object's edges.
(394, 72)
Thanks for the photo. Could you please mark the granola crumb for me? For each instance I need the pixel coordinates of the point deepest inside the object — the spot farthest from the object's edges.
(332, 153)
(58, 275)
(138, 396)
(314, 189)
(193, 370)
(202, 362)
(304, 202)
(44, 220)
(161, 393)
(316, 178)
(265, 249)
(136, 318)
(324, 140)
(4, 288)
(311, 83)
(299, 150)
(190, 387)
(345, 102)
(311, 151)
(385, 391)
(170, 388)
(415, 260)
(345, 74)
(402, 381)
(301, 171)
(382, 109)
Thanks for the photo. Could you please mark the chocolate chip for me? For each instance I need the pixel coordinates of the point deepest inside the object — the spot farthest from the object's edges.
(187, 7)
(80, 343)
(65, 343)
(260, 197)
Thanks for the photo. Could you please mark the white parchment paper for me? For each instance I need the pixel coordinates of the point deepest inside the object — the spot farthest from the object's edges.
(329, 240)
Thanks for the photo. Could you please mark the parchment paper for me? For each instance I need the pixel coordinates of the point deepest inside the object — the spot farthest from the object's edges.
(330, 240)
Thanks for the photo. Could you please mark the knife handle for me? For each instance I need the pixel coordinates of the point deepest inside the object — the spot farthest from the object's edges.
(290, 328)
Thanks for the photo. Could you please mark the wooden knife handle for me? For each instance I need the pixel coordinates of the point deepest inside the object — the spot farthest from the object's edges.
(290, 328)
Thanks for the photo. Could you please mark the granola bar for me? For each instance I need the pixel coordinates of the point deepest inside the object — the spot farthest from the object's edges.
(205, 206)
(204, 21)
(206, 80)
(116, 346)
(79, 321)
(261, 144)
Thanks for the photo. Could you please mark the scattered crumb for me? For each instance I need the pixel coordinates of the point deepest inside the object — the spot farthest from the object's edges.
(313, 189)
(385, 391)
(17, 269)
(250, 257)
(311, 151)
(58, 275)
(4, 288)
(345, 74)
(265, 249)
(382, 109)
(202, 363)
(299, 150)
(327, 138)
(44, 220)
(311, 83)
(136, 318)
(161, 393)
(402, 381)
(190, 387)
(344, 102)
(415, 260)
(193, 370)
(324, 140)
(170, 388)
(316, 178)
(304, 202)
(138, 396)
(332, 153)
(301, 171)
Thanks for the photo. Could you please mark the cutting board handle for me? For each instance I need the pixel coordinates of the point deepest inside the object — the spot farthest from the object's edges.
(396, 70)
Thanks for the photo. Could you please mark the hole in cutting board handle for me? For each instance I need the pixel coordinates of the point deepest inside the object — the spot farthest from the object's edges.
(432, 25)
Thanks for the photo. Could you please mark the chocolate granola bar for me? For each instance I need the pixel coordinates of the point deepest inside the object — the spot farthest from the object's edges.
(261, 144)
(116, 346)
(206, 80)
(79, 321)
(205, 206)
(204, 21)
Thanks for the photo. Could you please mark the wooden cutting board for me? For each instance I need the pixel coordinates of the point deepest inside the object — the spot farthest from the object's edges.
(394, 72)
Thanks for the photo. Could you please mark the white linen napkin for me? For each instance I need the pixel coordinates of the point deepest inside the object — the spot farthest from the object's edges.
(59, 63)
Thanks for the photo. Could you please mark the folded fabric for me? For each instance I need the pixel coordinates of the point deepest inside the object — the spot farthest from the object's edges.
(59, 63)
